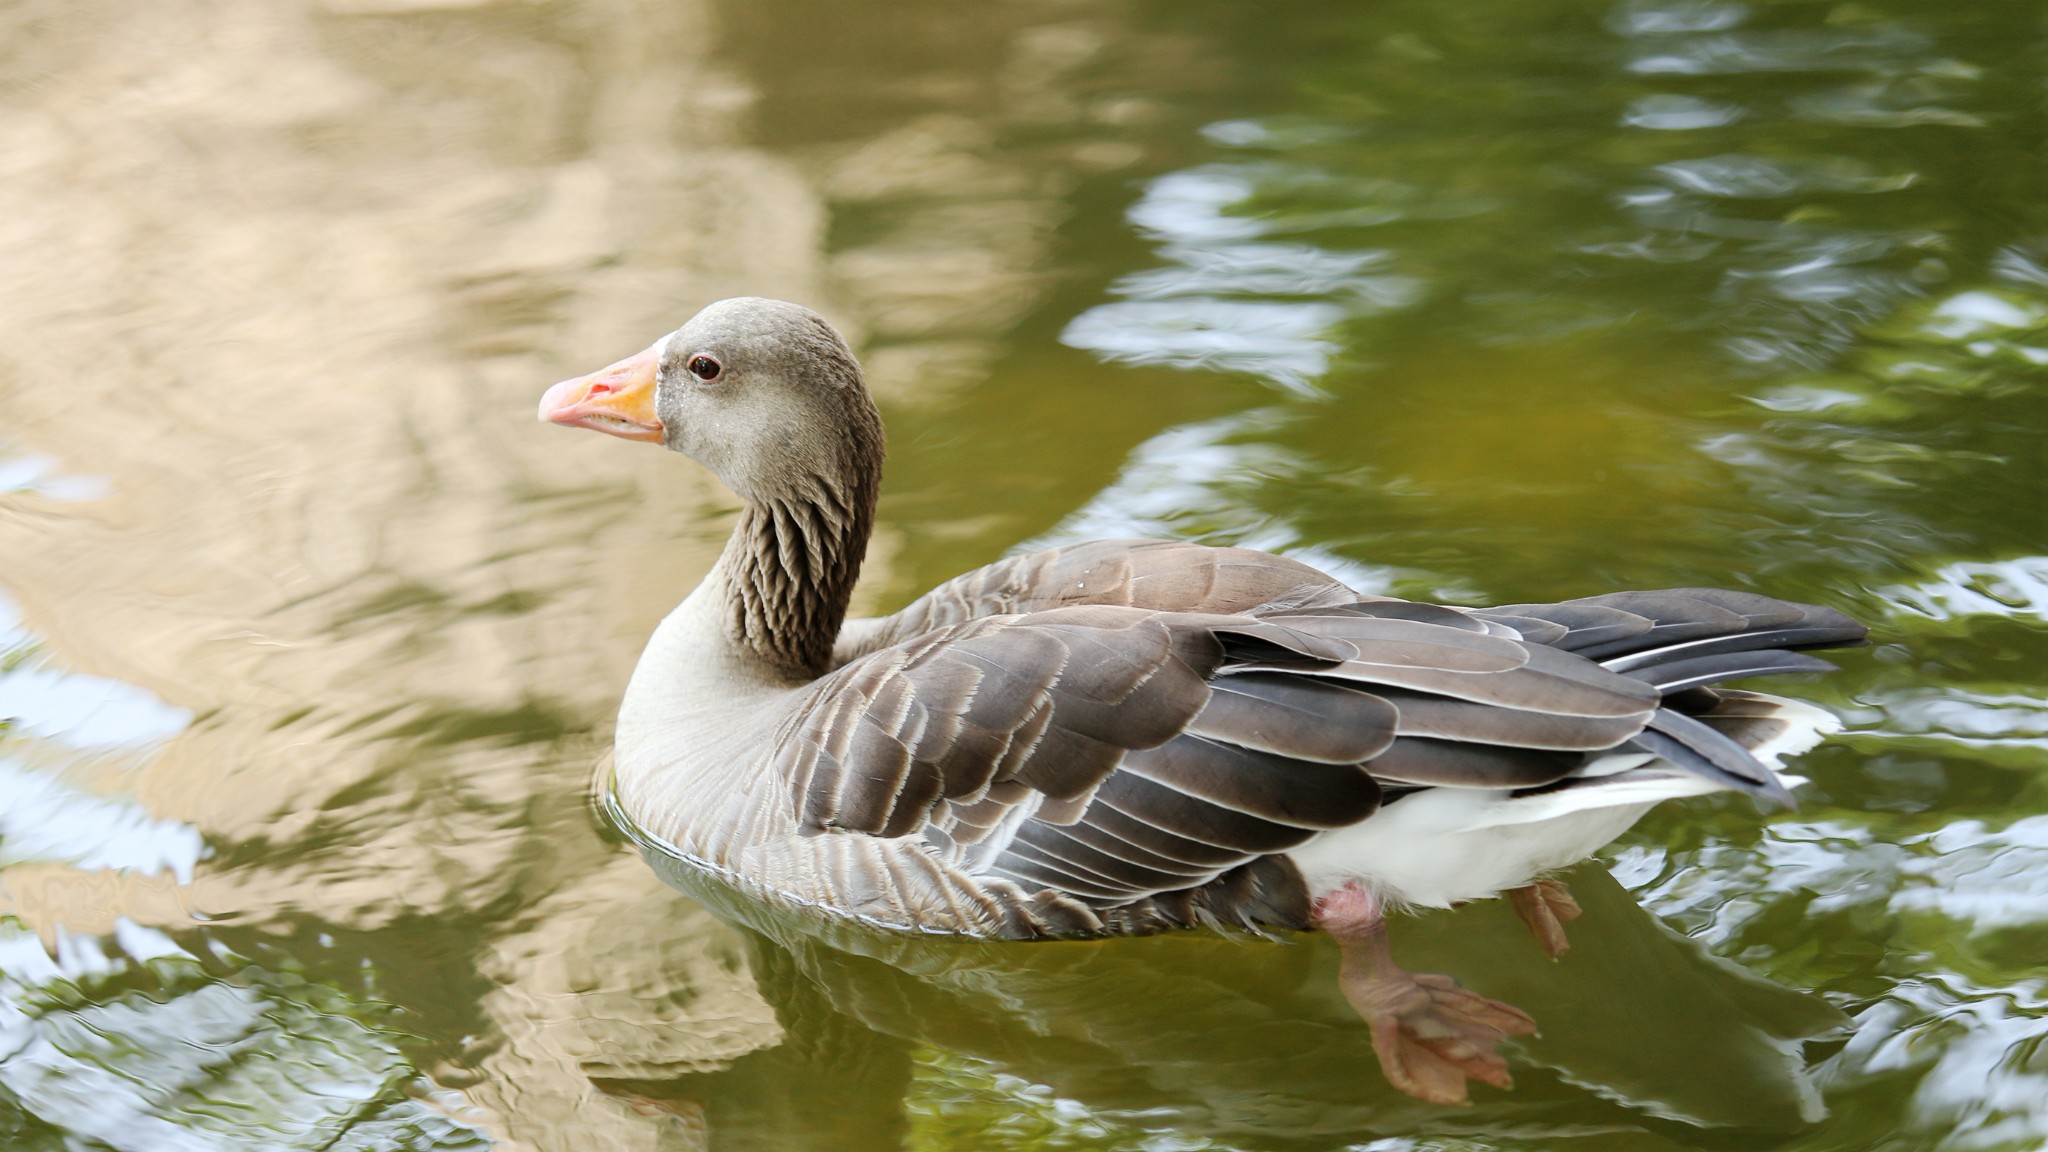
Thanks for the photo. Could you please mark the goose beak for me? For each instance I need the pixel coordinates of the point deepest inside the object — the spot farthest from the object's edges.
(618, 400)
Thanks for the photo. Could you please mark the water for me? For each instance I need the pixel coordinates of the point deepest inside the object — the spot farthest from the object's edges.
(309, 637)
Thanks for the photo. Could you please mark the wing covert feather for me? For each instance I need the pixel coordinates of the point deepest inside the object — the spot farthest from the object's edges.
(1301, 793)
(1052, 701)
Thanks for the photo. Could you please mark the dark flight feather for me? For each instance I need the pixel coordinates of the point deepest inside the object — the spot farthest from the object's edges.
(1793, 637)
(1423, 714)
(1195, 818)
(1423, 760)
(1689, 744)
(1528, 627)
(1681, 674)
(1585, 624)
(1301, 793)
(1296, 716)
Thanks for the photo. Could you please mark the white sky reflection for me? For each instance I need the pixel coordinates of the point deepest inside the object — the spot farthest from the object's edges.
(196, 1064)
(2009, 588)
(1213, 305)
(41, 818)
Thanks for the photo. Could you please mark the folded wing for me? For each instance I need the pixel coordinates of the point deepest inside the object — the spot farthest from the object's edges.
(1104, 761)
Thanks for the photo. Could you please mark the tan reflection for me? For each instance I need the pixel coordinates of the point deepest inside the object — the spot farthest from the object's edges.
(623, 982)
(956, 270)
(289, 290)
(288, 276)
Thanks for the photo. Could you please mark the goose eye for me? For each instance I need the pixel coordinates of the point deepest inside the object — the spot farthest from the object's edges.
(705, 368)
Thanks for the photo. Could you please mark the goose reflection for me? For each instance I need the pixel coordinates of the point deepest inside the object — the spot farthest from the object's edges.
(1246, 1038)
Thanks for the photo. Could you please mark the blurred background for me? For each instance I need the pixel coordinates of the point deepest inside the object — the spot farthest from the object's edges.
(310, 637)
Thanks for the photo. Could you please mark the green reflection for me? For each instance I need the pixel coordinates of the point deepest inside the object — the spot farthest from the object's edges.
(1128, 1043)
(131, 1043)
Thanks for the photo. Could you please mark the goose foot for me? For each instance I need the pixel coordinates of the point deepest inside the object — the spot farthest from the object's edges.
(1546, 906)
(1431, 1036)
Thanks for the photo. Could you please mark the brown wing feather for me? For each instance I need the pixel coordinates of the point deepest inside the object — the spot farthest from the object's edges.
(1052, 701)
(1159, 575)
(1124, 734)
(1296, 716)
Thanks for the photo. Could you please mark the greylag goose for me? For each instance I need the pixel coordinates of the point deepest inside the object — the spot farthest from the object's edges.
(1129, 736)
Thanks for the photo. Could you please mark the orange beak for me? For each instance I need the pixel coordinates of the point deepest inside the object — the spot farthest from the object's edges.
(618, 401)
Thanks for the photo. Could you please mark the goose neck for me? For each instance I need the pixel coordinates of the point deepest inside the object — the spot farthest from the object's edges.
(788, 573)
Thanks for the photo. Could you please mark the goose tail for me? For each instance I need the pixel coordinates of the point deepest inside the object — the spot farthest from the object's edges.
(1698, 638)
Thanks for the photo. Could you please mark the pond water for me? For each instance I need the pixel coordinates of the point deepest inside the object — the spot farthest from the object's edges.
(310, 638)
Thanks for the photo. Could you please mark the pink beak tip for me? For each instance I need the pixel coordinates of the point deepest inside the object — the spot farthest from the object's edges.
(555, 402)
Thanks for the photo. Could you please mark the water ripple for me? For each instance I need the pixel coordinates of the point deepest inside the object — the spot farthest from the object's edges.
(1756, 178)
(127, 1042)
(1882, 49)
(2000, 588)
(1668, 113)
(1213, 306)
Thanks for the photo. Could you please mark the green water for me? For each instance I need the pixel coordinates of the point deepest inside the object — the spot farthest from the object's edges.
(1482, 302)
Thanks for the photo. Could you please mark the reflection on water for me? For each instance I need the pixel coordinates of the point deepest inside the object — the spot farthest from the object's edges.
(131, 1043)
(71, 708)
(1142, 1043)
(309, 638)
(1229, 301)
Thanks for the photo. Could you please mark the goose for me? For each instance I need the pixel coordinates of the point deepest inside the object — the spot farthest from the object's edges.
(1123, 737)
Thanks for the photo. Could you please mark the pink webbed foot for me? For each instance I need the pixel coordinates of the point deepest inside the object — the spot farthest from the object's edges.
(1546, 906)
(1431, 1036)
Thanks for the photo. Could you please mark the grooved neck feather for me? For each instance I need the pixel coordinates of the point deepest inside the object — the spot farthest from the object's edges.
(790, 569)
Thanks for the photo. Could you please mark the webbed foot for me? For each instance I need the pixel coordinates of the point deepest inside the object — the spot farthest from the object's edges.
(1546, 906)
(1431, 1036)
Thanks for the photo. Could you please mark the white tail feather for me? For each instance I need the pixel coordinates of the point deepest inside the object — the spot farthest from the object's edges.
(1441, 846)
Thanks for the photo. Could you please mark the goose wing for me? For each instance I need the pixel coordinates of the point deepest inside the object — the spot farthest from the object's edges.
(1159, 575)
(1112, 766)
(1047, 703)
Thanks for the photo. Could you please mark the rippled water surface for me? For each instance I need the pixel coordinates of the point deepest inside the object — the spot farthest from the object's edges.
(310, 637)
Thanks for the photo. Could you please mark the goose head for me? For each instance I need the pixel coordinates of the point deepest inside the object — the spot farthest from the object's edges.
(764, 393)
